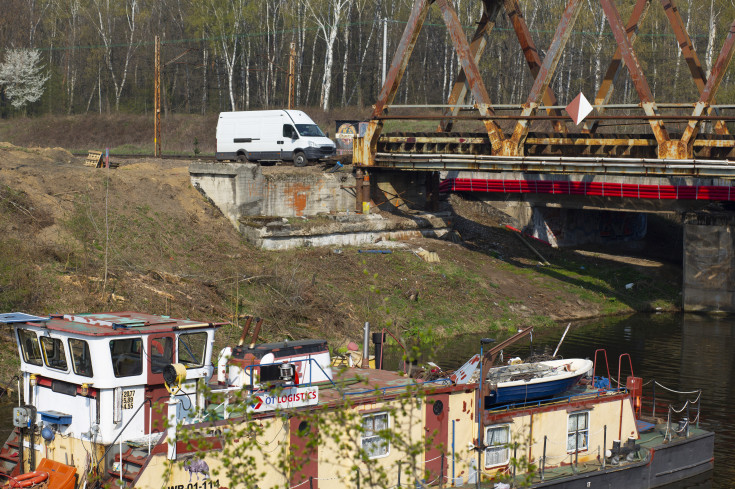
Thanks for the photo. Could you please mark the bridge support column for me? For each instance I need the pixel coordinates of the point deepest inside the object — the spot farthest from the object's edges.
(709, 262)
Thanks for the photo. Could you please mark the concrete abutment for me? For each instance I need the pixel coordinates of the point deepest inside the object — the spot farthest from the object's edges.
(709, 262)
(287, 207)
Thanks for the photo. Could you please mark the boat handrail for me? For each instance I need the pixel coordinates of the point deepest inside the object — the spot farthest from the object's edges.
(558, 400)
(112, 444)
(607, 364)
(308, 384)
(620, 366)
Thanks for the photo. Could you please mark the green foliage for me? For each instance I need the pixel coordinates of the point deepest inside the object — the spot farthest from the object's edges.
(254, 447)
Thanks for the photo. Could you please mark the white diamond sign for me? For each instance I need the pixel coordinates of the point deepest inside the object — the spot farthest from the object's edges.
(579, 108)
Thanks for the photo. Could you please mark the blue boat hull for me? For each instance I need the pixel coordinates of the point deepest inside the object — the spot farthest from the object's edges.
(530, 391)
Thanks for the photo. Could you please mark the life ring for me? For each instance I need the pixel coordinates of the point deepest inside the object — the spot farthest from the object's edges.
(28, 480)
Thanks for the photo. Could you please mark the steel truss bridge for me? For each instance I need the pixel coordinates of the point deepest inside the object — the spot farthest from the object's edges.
(703, 163)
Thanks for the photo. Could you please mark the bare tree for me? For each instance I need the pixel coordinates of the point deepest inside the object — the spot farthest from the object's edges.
(104, 17)
(223, 22)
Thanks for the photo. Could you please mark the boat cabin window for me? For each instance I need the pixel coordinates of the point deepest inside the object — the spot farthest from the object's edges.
(578, 428)
(192, 348)
(373, 428)
(29, 347)
(127, 357)
(81, 360)
(53, 353)
(162, 353)
(496, 441)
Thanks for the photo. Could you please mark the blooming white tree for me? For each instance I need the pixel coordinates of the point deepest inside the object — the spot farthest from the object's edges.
(23, 77)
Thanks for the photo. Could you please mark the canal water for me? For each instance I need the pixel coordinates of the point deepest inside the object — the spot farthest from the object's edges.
(681, 352)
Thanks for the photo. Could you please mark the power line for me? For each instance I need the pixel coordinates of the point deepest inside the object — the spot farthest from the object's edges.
(347, 24)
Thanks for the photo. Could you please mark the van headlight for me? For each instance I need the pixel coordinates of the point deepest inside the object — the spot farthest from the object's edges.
(312, 144)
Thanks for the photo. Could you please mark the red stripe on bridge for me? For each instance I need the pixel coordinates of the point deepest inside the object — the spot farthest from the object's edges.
(602, 189)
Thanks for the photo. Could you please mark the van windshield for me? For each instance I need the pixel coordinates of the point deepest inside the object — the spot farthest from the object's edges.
(309, 130)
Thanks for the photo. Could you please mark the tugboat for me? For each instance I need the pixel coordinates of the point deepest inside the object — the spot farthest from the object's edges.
(135, 400)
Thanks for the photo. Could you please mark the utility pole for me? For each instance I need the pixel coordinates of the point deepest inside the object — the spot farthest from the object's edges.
(157, 99)
(292, 76)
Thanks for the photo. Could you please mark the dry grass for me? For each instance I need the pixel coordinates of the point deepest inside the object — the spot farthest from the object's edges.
(128, 133)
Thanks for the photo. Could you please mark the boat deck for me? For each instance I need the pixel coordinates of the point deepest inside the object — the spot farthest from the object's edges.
(354, 384)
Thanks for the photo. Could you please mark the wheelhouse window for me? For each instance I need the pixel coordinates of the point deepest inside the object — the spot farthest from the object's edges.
(497, 451)
(127, 357)
(373, 442)
(578, 428)
(29, 347)
(53, 353)
(81, 360)
(192, 348)
(162, 353)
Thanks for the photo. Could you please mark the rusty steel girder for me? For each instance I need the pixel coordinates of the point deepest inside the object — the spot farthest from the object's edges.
(521, 141)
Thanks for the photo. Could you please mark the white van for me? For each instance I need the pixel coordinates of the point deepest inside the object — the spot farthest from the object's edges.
(271, 135)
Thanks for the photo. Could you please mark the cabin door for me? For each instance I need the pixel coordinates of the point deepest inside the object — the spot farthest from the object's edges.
(437, 437)
(160, 352)
(304, 453)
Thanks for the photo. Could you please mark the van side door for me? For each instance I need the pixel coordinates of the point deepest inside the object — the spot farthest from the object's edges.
(290, 141)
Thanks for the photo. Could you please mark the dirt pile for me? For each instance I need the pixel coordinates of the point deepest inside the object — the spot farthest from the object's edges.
(140, 237)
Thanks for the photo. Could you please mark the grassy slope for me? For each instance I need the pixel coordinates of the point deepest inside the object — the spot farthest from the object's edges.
(170, 252)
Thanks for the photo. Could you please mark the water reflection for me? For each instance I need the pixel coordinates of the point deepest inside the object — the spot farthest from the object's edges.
(682, 352)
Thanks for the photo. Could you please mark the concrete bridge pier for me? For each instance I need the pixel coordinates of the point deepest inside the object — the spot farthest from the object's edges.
(709, 262)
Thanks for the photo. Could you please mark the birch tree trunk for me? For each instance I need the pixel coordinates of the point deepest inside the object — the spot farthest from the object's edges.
(204, 80)
(105, 26)
(346, 57)
(711, 39)
(327, 21)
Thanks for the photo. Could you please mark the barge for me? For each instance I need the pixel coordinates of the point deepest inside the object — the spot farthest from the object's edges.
(129, 399)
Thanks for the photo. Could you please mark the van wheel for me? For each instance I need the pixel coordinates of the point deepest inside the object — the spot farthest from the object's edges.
(242, 158)
(299, 159)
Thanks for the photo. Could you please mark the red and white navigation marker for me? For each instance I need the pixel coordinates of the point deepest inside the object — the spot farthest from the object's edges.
(579, 108)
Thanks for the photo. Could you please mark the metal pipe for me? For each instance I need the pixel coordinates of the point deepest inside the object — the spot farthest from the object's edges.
(258, 324)
(441, 473)
(245, 331)
(119, 444)
(521, 117)
(653, 411)
(563, 159)
(555, 107)
(543, 460)
(604, 446)
(479, 418)
(561, 340)
(366, 346)
(453, 453)
(21, 450)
